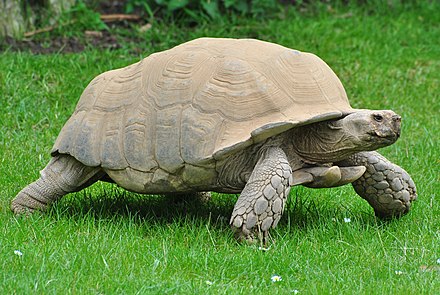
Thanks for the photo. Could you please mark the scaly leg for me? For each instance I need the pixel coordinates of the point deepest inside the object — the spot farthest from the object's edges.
(262, 200)
(387, 188)
(64, 174)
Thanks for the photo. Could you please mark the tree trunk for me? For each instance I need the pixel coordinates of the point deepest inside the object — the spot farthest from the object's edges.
(19, 16)
(11, 18)
(56, 7)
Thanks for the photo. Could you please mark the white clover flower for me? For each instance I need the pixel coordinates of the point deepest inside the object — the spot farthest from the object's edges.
(209, 283)
(347, 220)
(263, 249)
(18, 253)
(276, 278)
(438, 261)
(295, 291)
(398, 272)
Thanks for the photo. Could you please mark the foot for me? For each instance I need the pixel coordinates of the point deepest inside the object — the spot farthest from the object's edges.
(387, 187)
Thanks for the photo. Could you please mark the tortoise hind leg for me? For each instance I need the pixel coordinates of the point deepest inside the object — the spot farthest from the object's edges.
(62, 175)
(388, 188)
(193, 197)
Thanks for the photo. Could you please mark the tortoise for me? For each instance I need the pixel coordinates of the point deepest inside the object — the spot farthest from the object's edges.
(230, 116)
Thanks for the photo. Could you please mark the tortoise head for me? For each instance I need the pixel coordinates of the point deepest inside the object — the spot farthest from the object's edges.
(370, 129)
(335, 140)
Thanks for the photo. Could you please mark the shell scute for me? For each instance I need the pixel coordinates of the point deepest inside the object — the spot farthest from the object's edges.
(196, 128)
(112, 152)
(233, 87)
(167, 145)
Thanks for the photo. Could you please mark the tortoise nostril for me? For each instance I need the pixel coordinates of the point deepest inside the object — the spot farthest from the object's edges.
(396, 118)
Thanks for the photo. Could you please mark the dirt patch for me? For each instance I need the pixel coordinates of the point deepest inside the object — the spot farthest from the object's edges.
(57, 44)
(49, 40)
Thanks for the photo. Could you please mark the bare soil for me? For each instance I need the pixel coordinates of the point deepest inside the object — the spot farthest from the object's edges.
(58, 44)
(51, 42)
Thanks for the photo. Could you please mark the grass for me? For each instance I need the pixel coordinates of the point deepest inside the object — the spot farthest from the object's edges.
(105, 240)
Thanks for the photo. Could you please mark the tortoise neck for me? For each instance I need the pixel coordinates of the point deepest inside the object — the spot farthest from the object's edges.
(323, 143)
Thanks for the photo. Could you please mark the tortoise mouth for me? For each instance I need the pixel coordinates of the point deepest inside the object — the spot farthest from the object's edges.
(388, 137)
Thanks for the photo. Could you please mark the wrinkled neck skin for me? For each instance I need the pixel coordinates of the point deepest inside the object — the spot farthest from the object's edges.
(324, 143)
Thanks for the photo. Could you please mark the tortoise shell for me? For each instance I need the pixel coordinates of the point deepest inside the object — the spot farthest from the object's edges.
(198, 102)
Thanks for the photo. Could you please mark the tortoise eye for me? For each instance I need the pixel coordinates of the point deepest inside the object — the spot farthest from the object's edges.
(378, 118)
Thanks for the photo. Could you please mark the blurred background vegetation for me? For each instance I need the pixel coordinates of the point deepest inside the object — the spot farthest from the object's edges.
(19, 17)
(49, 26)
(26, 18)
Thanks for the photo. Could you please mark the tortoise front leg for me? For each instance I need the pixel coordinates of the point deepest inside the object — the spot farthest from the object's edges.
(387, 187)
(262, 200)
(62, 175)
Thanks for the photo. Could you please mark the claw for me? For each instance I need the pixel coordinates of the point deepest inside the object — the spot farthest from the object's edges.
(320, 177)
(317, 176)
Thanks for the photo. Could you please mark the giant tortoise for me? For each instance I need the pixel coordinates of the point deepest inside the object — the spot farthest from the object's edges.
(225, 115)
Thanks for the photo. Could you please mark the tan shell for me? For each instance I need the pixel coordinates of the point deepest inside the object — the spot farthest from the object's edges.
(204, 99)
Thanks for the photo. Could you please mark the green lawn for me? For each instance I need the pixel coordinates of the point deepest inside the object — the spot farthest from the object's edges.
(107, 241)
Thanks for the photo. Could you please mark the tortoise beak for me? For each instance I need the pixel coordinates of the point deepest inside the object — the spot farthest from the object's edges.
(389, 136)
(396, 124)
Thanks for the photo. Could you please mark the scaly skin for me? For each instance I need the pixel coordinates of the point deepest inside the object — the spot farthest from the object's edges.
(62, 175)
(262, 201)
(387, 187)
